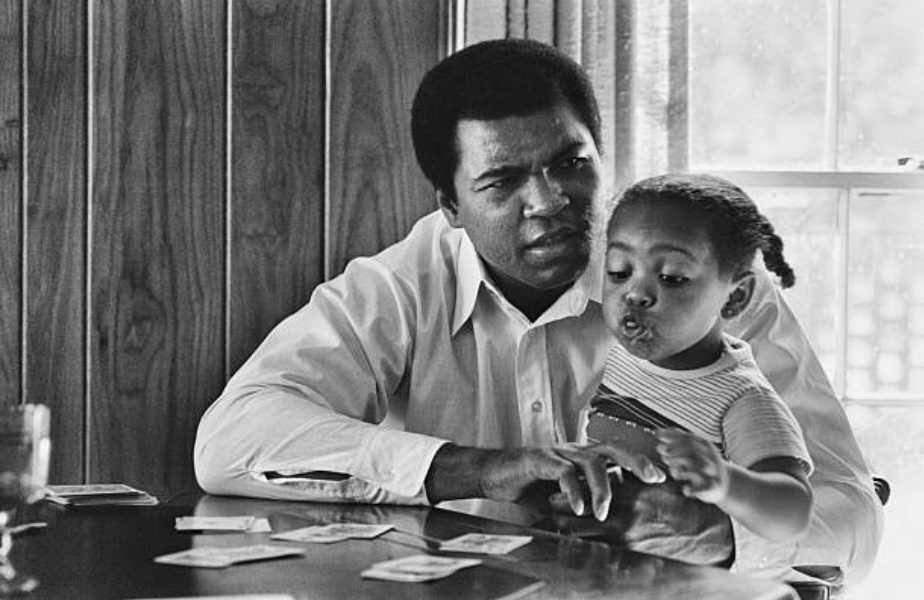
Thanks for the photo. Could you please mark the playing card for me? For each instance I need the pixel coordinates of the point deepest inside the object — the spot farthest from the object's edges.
(95, 489)
(482, 543)
(425, 564)
(214, 523)
(404, 576)
(361, 531)
(317, 534)
(256, 552)
(196, 557)
(217, 557)
(334, 532)
(260, 526)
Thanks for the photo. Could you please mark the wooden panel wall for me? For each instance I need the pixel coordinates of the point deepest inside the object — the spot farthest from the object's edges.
(10, 201)
(175, 178)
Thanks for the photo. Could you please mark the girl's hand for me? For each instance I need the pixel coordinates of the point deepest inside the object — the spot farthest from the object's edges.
(695, 463)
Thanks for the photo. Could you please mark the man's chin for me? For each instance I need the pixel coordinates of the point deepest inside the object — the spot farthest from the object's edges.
(559, 277)
(559, 271)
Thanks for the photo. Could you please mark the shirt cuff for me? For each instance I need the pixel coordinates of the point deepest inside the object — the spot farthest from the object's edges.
(396, 461)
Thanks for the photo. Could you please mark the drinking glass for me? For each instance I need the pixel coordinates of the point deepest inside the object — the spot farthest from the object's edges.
(25, 449)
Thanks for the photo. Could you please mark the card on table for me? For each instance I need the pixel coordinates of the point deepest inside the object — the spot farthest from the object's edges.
(93, 489)
(98, 494)
(418, 568)
(484, 543)
(335, 532)
(214, 523)
(363, 531)
(218, 557)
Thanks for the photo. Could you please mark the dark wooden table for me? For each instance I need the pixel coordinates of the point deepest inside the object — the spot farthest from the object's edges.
(108, 553)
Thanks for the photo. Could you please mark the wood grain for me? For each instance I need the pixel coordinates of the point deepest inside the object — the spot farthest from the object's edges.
(379, 52)
(10, 201)
(277, 211)
(55, 249)
(157, 313)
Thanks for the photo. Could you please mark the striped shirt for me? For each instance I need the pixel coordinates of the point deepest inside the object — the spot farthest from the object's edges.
(729, 403)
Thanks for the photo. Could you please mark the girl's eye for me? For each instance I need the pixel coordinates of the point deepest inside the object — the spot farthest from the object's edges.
(619, 275)
(673, 280)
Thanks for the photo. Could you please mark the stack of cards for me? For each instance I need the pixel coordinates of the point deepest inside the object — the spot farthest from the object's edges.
(335, 532)
(98, 494)
(245, 524)
(418, 568)
(217, 558)
(484, 543)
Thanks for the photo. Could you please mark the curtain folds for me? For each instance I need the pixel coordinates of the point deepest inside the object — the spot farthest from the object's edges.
(636, 54)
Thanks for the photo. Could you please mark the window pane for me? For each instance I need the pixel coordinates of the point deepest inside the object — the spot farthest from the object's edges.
(892, 440)
(757, 84)
(882, 83)
(885, 294)
(807, 221)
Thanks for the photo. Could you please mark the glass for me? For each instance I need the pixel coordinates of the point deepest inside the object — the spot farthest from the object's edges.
(807, 220)
(882, 83)
(885, 295)
(755, 103)
(25, 449)
(892, 440)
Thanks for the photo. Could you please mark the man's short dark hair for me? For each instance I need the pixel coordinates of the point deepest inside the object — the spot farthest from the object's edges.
(487, 81)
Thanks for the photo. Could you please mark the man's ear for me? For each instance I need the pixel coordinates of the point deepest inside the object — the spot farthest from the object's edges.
(740, 296)
(450, 207)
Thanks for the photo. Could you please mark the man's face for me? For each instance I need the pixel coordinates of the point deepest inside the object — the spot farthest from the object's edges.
(526, 191)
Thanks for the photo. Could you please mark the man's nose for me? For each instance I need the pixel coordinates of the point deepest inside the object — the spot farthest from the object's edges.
(544, 196)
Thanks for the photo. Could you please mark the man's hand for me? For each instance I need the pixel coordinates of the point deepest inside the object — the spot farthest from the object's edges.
(695, 463)
(510, 475)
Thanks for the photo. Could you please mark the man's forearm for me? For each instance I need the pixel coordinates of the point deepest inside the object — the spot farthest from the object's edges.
(455, 473)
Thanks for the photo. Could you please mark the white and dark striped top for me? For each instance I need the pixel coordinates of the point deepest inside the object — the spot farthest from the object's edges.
(729, 403)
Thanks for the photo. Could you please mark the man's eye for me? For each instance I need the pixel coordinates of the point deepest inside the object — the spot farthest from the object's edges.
(574, 162)
(499, 184)
(673, 280)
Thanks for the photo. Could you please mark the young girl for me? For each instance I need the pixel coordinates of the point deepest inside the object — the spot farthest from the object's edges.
(679, 254)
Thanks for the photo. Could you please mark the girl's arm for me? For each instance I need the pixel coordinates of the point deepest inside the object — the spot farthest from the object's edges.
(772, 498)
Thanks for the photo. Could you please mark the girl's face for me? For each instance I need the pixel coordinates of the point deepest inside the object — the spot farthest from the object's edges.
(663, 292)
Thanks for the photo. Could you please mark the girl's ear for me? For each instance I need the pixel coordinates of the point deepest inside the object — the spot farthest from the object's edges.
(740, 296)
(450, 208)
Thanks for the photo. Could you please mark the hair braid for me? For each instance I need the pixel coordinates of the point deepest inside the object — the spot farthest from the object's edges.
(736, 227)
(772, 250)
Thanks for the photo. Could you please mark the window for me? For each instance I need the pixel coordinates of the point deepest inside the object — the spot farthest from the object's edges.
(816, 109)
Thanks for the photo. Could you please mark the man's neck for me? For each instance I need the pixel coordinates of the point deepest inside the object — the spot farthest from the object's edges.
(530, 301)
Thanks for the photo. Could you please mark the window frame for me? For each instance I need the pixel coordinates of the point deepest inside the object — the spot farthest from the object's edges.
(849, 183)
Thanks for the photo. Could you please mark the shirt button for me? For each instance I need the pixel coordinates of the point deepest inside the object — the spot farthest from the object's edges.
(537, 406)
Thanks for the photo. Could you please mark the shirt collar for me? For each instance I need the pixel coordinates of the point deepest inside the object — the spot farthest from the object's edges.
(471, 276)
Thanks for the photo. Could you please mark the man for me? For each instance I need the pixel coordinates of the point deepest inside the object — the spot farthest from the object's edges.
(455, 363)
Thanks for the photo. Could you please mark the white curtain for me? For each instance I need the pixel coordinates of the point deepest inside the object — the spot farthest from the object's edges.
(636, 54)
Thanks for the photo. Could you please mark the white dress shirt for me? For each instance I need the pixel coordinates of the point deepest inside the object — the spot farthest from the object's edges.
(415, 347)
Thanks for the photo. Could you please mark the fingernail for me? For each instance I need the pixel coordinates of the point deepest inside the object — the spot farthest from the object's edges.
(602, 511)
(579, 508)
(655, 474)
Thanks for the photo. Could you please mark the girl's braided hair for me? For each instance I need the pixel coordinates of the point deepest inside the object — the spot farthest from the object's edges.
(736, 228)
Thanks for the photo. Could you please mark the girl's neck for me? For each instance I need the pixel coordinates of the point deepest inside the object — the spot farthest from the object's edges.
(701, 354)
